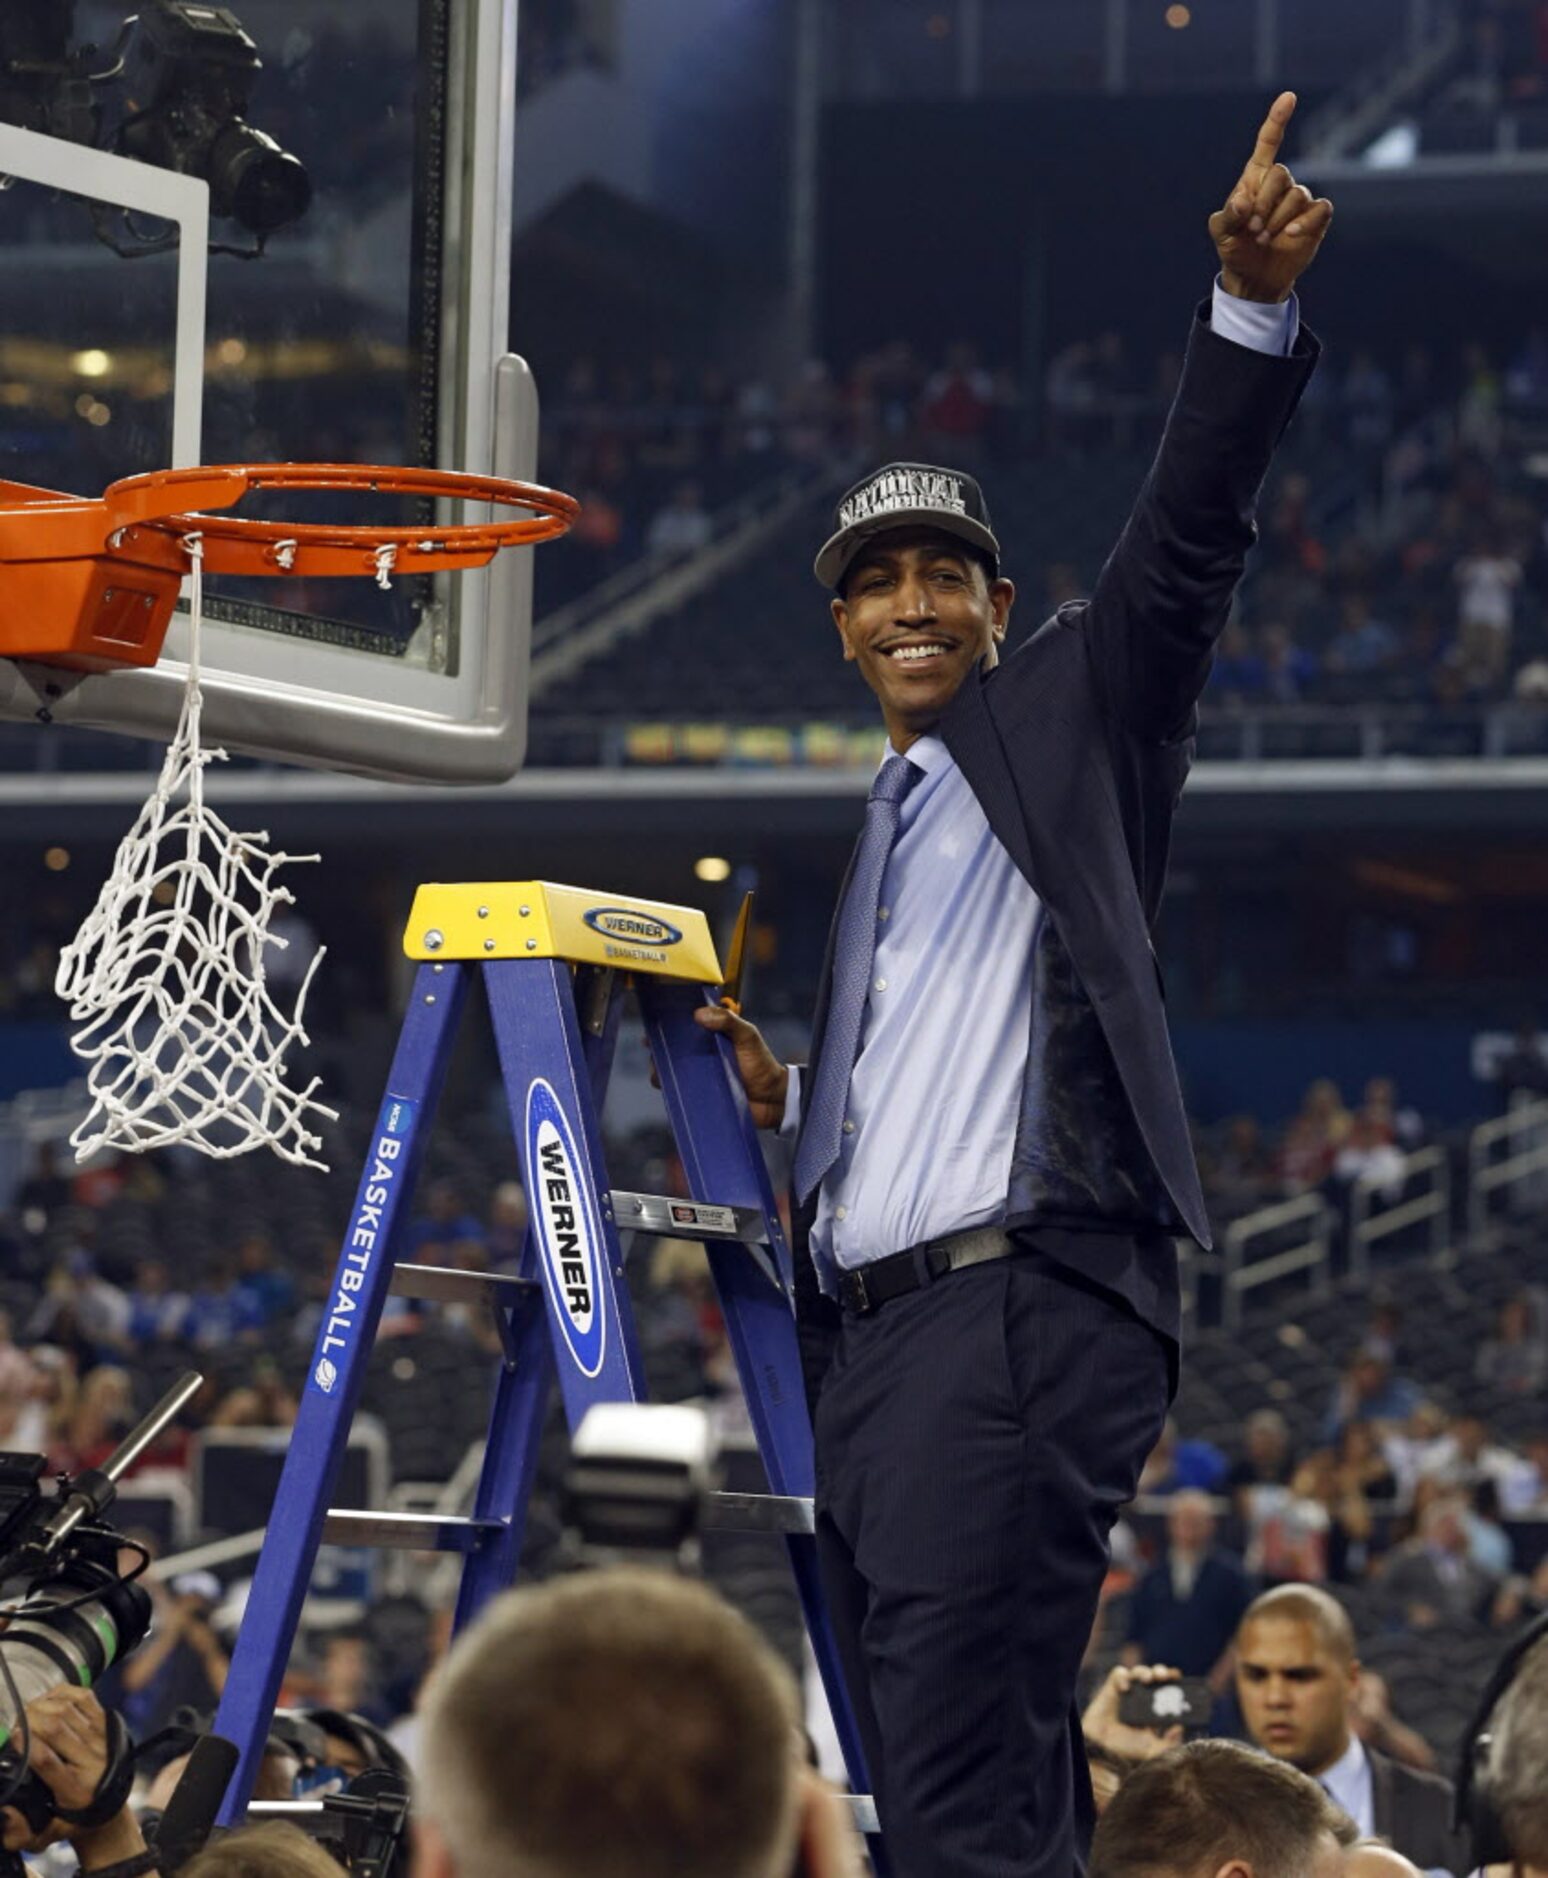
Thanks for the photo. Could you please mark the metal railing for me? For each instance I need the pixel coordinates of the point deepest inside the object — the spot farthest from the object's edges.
(1312, 1252)
(1524, 1131)
(1381, 1205)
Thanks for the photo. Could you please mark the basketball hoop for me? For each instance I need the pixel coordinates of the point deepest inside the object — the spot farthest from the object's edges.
(92, 584)
(167, 978)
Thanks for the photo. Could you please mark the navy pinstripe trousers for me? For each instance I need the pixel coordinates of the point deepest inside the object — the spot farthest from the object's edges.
(975, 1441)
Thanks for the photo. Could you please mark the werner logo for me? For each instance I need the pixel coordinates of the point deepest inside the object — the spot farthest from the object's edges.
(641, 929)
(566, 1227)
(373, 1207)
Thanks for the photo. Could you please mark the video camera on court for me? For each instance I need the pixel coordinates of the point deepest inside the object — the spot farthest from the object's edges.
(639, 1477)
(172, 92)
(67, 1611)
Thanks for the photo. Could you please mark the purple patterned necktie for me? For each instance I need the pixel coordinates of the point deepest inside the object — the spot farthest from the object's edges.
(852, 958)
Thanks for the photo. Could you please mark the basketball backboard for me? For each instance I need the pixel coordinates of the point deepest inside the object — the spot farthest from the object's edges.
(179, 291)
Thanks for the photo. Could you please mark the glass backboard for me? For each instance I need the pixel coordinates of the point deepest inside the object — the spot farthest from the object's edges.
(275, 231)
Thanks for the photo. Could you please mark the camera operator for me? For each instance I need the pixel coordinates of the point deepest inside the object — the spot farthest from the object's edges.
(67, 1748)
(182, 1664)
(619, 1724)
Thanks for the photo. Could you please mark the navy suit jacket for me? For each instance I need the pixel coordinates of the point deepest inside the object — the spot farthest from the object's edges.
(1077, 747)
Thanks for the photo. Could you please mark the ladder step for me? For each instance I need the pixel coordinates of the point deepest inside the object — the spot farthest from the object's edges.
(862, 1810)
(444, 1284)
(409, 1532)
(687, 1219)
(759, 1512)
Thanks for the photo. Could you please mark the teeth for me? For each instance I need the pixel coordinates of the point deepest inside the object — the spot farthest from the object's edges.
(918, 652)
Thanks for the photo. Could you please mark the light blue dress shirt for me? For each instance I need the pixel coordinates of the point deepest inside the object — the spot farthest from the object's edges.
(1348, 1782)
(935, 1095)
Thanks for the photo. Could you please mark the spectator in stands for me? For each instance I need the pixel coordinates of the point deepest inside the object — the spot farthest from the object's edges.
(1176, 1462)
(1433, 1577)
(1522, 1597)
(219, 1313)
(1215, 1809)
(1268, 1459)
(102, 1414)
(1468, 1454)
(347, 1675)
(655, 1733)
(264, 1291)
(1372, 1719)
(1297, 1671)
(1524, 1066)
(1290, 670)
(81, 1310)
(506, 1232)
(1369, 1391)
(1239, 1175)
(1240, 675)
(1486, 587)
(1186, 1608)
(1363, 648)
(157, 1313)
(1322, 1529)
(1369, 1153)
(1515, 1359)
(1525, 1490)
(447, 1224)
(44, 1194)
(1288, 1531)
(1414, 1448)
(958, 404)
(1380, 1105)
(1488, 1543)
(182, 1663)
(683, 526)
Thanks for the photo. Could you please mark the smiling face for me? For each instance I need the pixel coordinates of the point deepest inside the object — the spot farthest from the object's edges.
(917, 613)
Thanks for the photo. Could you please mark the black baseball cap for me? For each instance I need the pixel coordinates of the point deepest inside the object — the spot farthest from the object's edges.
(906, 495)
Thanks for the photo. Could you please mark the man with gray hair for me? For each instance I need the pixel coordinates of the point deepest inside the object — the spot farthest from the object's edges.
(619, 1724)
(1187, 1606)
(1515, 1775)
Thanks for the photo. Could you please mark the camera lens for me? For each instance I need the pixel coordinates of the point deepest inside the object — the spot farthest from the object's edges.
(253, 180)
(51, 1643)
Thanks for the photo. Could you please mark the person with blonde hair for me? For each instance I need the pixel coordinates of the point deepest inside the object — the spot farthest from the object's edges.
(274, 1849)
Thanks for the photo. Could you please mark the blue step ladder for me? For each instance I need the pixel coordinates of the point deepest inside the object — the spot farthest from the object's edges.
(556, 962)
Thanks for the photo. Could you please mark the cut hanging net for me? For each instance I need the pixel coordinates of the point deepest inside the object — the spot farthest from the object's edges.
(167, 978)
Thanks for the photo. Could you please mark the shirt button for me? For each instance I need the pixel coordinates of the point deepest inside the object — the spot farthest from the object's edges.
(849, 1128)
(841, 1212)
(881, 984)
(884, 912)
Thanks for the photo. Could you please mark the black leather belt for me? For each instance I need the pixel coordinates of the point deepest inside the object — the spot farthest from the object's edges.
(893, 1277)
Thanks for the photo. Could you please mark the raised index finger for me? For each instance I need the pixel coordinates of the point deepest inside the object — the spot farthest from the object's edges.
(1266, 152)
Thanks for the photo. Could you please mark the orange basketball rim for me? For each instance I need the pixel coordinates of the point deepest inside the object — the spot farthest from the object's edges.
(92, 584)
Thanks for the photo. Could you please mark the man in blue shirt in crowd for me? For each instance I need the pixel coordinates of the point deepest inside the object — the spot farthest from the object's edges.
(991, 1152)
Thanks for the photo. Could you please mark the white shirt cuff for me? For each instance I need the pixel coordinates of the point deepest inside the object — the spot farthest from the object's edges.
(1270, 327)
(790, 1121)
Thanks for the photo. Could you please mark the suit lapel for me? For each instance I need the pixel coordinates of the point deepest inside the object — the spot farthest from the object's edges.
(1381, 1793)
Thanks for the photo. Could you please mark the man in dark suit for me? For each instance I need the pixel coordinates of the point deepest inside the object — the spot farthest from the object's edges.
(1296, 1675)
(1186, 1607)
(991, 1152)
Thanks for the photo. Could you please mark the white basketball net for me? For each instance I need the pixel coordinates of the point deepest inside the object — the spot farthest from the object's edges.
(166, 978)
